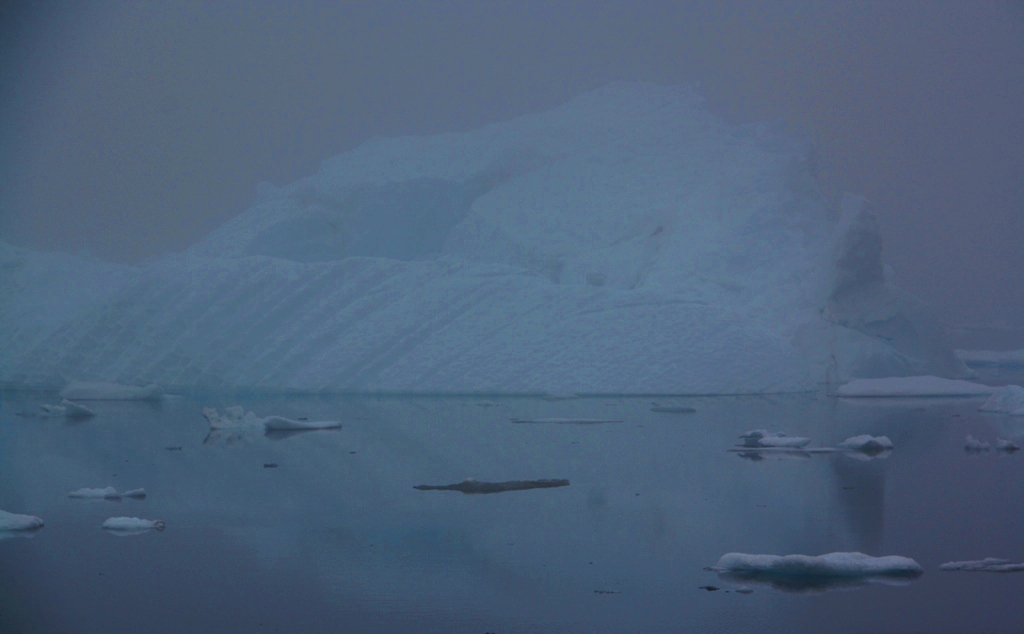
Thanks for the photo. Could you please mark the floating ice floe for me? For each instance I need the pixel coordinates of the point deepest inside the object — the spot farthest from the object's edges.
(12, 522)
(1007, 358)
(236, 417)
(132, 525)
(988, 564)
(567, 421)
(912, 386)
(765, 438)
(972, 444)
(106, 493)
(1009, 400)
(471, 486)
(871, 445)
(67, 409)
(98, 391)
(803, 573)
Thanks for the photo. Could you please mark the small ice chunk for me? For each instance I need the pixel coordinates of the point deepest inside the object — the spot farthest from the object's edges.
(988, 564)
(973, 444)
(74, 410)
(1008, 446)
(1009, 399)
(14, 522)
(280, 423)
(97, 391)
(912, 386)
(871, 445)
(132, 525)
(106, 493)
(829, 565)
(137, 494)
(765, 438)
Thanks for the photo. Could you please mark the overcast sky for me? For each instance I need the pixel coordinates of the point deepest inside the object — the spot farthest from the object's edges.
(129, 129)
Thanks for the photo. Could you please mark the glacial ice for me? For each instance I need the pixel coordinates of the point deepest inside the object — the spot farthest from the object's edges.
(103, 391)
(839, 564)
(235, 417)
(14, 522)
(912, 386)
(132, 525)
(627, 242)
(1009, 399)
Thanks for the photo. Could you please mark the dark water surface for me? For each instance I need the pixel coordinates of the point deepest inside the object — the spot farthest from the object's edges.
(336, 539)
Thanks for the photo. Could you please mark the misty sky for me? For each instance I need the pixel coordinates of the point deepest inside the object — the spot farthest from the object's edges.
(129, 129)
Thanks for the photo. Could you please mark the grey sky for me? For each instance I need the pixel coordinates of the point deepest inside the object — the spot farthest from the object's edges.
(132, 128)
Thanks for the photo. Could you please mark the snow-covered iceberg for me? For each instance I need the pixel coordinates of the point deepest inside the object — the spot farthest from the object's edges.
(912, 386)
(803, 573)
(235, 417)
(626, 242)
(1009, 399)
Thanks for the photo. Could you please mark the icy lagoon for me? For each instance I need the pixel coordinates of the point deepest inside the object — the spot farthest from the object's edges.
(322, 531)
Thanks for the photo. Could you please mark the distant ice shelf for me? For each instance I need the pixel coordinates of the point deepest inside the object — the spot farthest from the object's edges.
(627, 242)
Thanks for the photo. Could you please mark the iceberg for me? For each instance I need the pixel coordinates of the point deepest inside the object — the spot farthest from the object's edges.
(236, 417)
(912, 386)
(768, 439)
(627, 242)
(1009, 400)
(132, 525)
(803, 573)
(12, 522)
(867, 444)
(988, 564)
(67, 409)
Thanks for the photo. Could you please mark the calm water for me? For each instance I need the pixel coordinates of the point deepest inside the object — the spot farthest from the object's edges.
(335, 538)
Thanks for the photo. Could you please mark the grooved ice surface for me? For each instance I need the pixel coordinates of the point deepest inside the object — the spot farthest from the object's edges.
(626, 242)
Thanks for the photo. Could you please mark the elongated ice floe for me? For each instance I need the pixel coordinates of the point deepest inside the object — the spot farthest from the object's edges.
(67, 409)
(132, 525)
(567, 421)
(765, 438)
(106, 493)
(988, 564)
(236, 417)
(1009, 400)
(803, 573)
(99, 391)
(1006, 358)
(13, 522)
(912, 386)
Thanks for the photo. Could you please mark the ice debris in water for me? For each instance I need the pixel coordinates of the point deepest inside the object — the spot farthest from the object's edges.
(974, 445)
(14, 522)
(106, 493)
(988, 564)
(765, 438)
(912, 386)
(1009, 400)
(871, 445)
(236, 417)
(67, 409)
(99, 391)
(132, 525)
(801, 573)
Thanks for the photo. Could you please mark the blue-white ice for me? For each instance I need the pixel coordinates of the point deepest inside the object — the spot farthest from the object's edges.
(626, 242)
(1008, 399)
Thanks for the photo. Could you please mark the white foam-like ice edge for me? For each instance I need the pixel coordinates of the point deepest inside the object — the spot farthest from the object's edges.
(907, 386)
(838, 564)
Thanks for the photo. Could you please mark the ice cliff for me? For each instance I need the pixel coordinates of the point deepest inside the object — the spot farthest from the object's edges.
(626, 242)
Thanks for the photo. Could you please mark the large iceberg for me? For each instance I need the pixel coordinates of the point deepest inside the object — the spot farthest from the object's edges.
(626, 242)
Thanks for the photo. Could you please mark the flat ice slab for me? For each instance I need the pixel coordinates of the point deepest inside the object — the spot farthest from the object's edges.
(236, 417)
(912, 386)
(1007, 358)
(803, 573)
(99, 391)
(132, 525)
(14, 522)
(106, 493)
(988, 564)
(1009, 399)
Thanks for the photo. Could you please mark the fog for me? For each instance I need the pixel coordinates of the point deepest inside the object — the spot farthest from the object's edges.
(130, 129)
